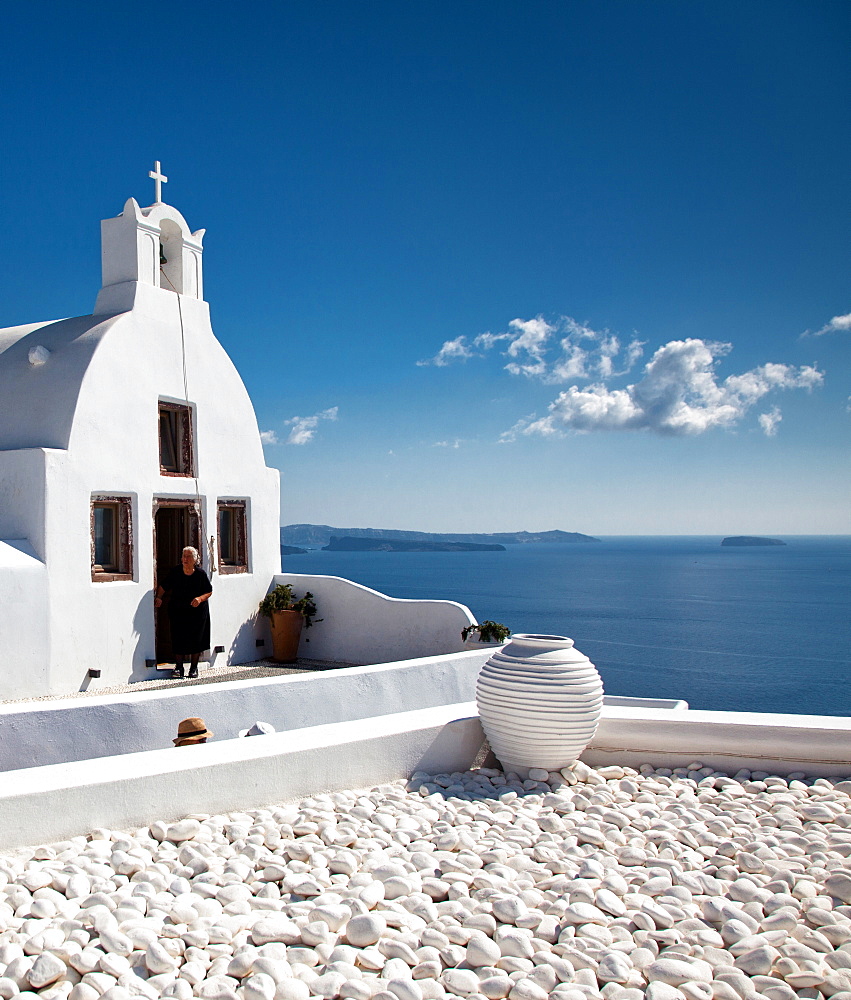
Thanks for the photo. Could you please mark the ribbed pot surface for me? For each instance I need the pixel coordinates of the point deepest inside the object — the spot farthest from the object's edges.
(539, 700)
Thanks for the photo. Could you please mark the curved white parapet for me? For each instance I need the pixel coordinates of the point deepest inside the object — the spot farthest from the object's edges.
(539, 700)
(360, 625)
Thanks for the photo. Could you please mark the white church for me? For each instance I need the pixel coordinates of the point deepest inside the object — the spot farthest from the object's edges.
(124, 436)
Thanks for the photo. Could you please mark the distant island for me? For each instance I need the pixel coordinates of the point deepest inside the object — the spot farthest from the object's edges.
(750, 540)
(349, 544)
(315, 536)
(292, 550)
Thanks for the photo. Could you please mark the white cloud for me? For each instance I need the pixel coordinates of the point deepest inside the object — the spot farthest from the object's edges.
(581, 331)
(304, 428)
(528, 342)
(452, 350)
(585, 352)
(573, 363)
(679, 394)
(532, 335)
(447, 444)
(532, 350)
(268, 437)
(769, 421)
(633, 354)
(838, 323)
(485, 341)
(609, 349)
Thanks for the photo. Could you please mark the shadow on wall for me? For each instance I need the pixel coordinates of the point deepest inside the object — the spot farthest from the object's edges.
(143, 624)
(461, 739)
(248, 633)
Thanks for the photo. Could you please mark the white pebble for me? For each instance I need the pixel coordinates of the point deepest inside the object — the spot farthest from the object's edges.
(405, 989)
(460, 981)
(496, 987)
(527, 989)
(275, 929)
(292, 989)
(674, 971)
(80, 992)
(47, 968)
(481, 951)
(365, 929)
(614, 967)
(183, 830)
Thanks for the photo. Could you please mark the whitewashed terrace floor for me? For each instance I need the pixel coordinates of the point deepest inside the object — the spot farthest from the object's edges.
(207, 675)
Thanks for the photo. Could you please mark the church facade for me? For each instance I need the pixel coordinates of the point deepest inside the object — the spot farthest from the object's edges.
(125, 435)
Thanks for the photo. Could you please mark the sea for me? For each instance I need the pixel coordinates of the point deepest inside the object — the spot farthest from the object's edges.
(759, 629)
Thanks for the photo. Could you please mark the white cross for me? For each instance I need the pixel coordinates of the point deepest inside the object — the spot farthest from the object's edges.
(159, 180)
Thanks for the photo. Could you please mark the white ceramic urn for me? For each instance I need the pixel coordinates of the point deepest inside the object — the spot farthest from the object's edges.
(539, 700)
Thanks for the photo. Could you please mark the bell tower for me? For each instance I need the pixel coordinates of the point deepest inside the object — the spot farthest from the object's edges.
(150, 246)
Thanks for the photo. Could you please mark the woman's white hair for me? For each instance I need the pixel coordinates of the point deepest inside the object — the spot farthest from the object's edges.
(194, 551)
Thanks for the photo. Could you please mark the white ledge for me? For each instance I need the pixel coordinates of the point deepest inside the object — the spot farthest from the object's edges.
(51, 803)
(780, 744)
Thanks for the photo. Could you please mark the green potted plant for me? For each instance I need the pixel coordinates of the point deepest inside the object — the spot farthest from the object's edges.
(486, 633)
(287, 615)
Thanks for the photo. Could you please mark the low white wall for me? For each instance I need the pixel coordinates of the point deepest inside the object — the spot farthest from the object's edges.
(363, 626)
(44, 804)
(41, 805)
(818, 745)
(50, 732)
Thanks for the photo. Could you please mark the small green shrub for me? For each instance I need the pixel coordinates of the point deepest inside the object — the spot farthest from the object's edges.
(283, 599)
(488, 631)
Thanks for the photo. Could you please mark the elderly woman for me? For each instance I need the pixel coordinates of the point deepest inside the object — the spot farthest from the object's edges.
(189, 589)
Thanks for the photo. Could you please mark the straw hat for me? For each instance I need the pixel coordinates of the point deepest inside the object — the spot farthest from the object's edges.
(258, 729)
(191, 730)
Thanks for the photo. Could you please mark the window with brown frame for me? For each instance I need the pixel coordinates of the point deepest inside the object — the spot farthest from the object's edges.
(112, 539)
(176, 440)
(233, 537)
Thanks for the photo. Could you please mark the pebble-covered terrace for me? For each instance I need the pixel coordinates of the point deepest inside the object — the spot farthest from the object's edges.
(609, 883)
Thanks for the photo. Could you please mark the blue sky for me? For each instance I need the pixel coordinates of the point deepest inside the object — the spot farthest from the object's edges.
(482, 265)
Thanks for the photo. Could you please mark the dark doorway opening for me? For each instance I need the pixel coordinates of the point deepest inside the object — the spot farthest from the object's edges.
(176, 525)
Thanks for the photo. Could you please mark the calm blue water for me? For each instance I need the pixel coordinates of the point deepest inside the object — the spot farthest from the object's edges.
(742, 629)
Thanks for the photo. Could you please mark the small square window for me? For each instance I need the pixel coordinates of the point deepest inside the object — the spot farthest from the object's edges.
(112, 550)
(176, 440)
(233, 547)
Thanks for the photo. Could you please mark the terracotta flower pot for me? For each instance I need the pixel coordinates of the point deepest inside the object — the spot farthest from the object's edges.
(539, 700)
(471, 643)
(286, 632)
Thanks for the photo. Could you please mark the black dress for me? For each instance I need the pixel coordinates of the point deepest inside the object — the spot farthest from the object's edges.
(190, 627)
